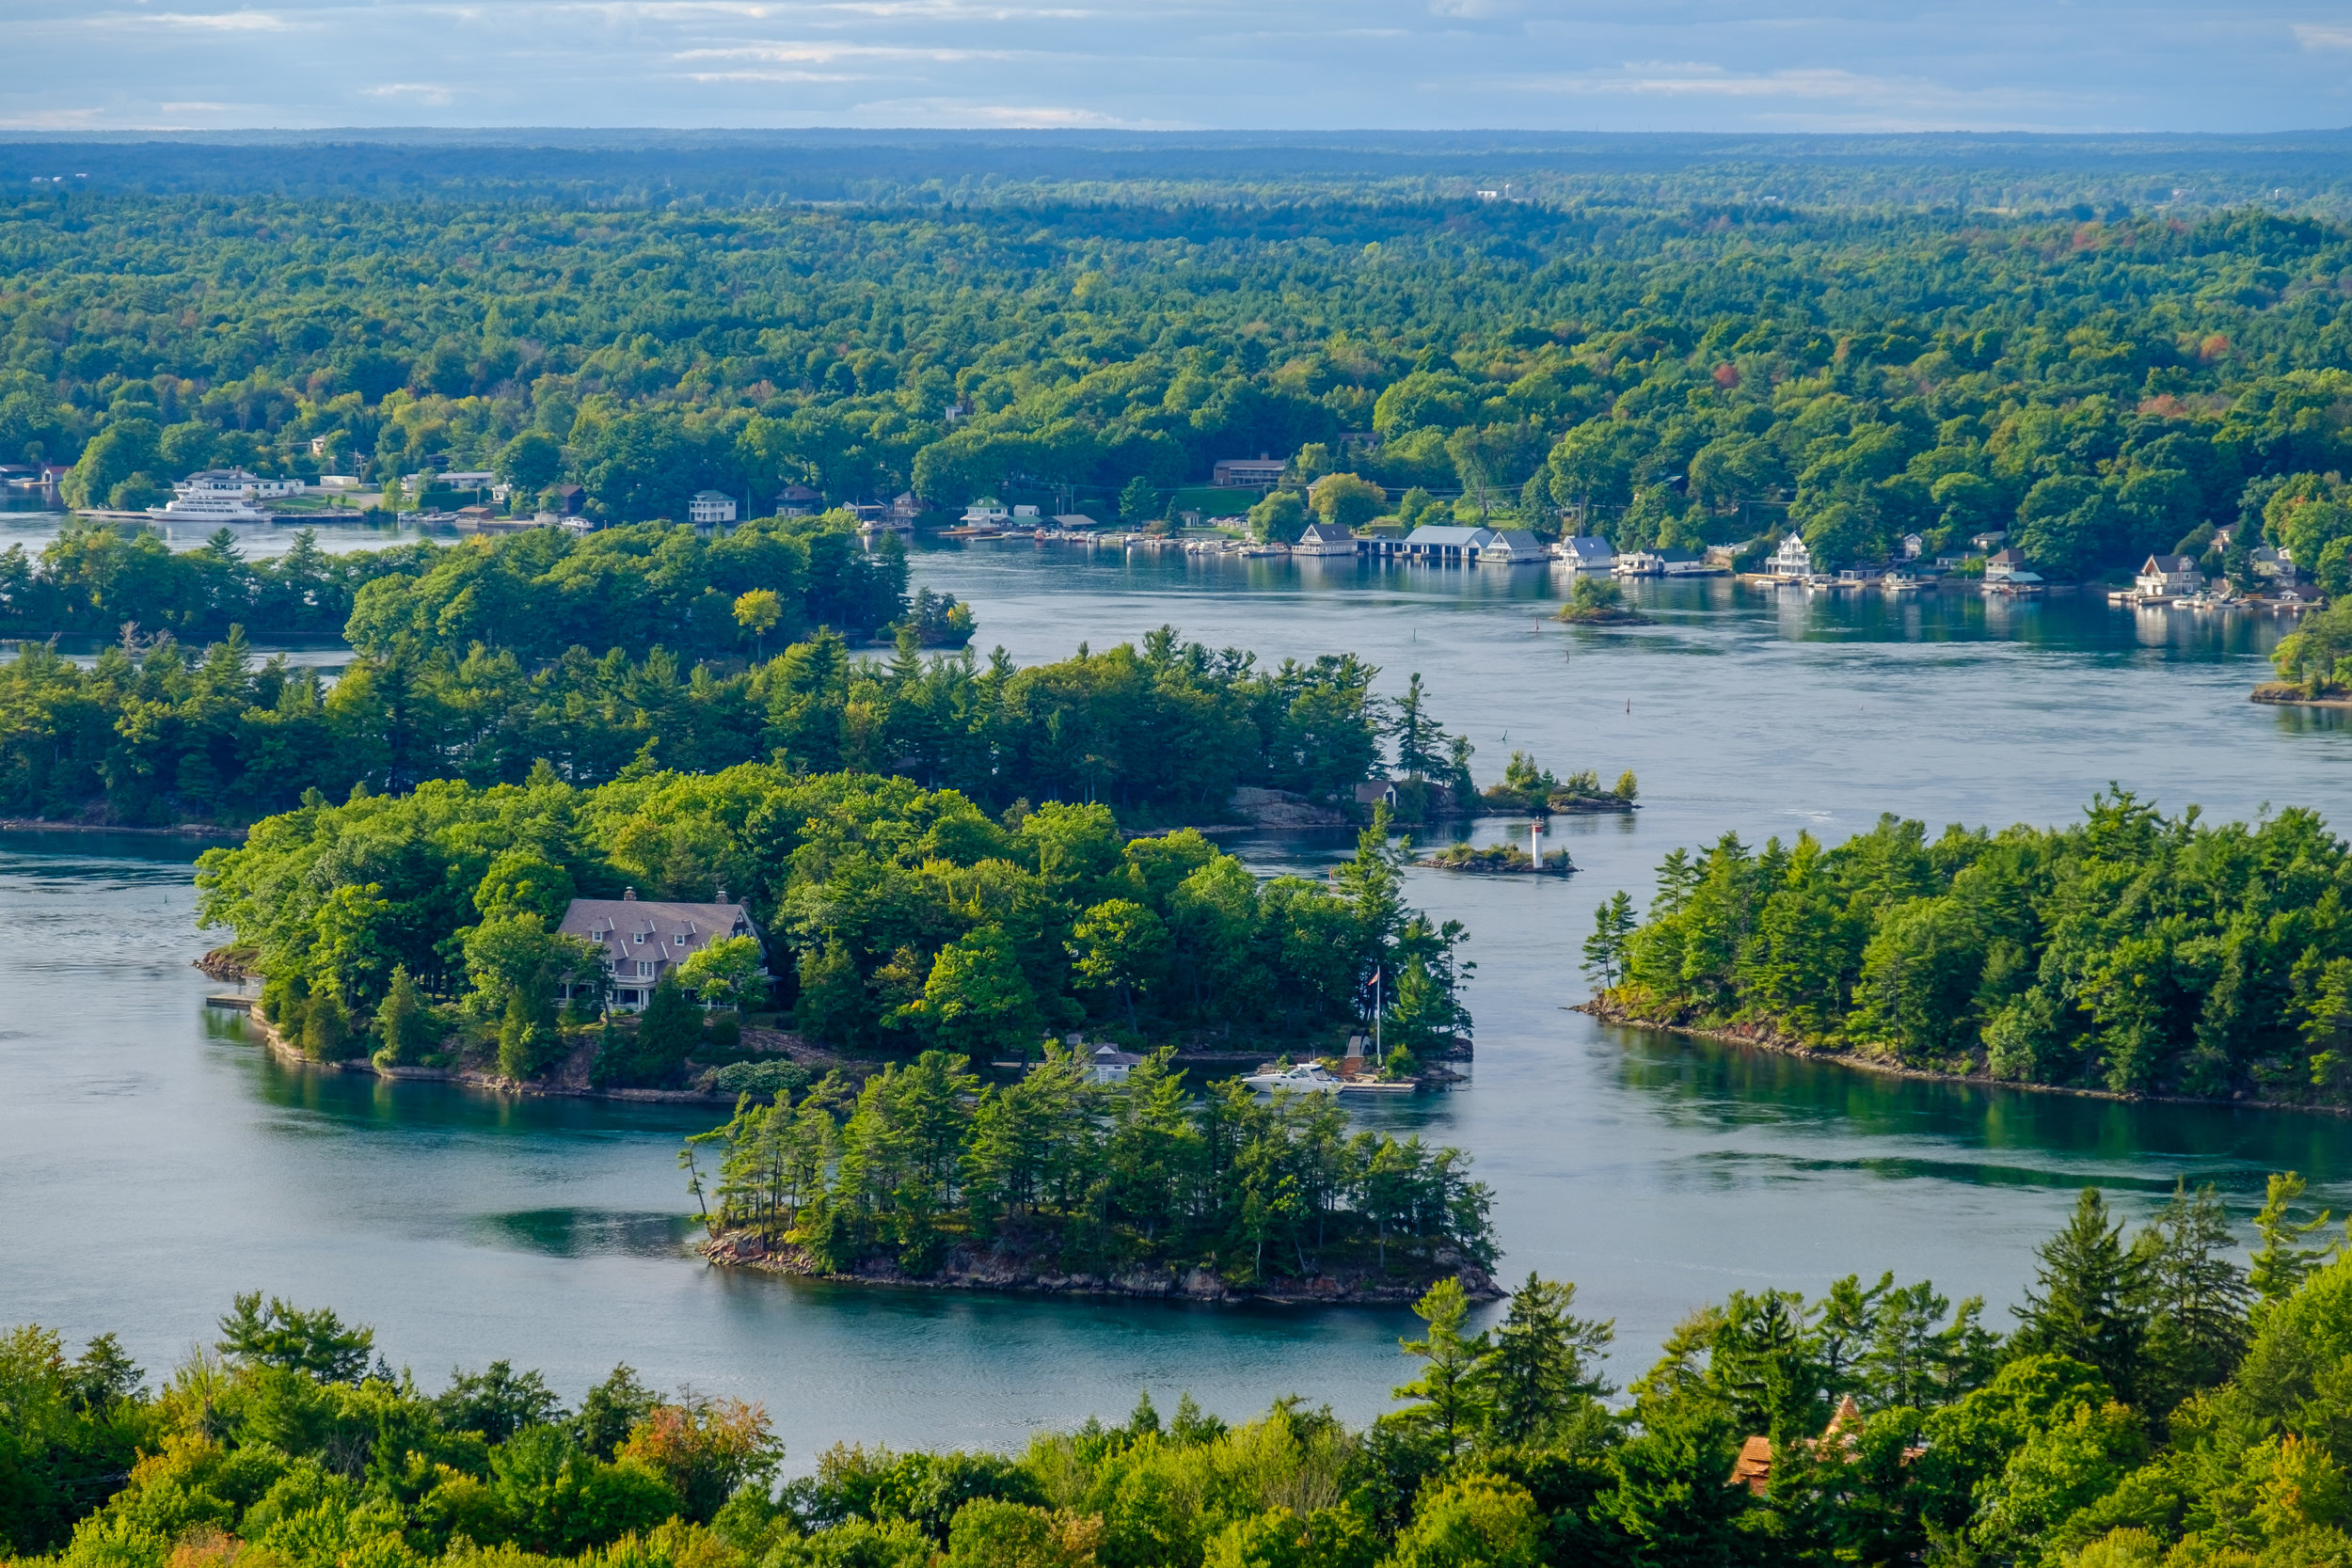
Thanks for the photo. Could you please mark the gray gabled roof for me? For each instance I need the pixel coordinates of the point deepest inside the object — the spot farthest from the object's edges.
(1431, 533)
(1519, 539)
(615, 924)
(1586, 547)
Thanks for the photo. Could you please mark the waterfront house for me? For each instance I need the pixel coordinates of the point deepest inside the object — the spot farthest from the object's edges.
(1074, 522)
(710, 508)
(2279, 564)
(1586, 554)
(2004, 565)
(988, 512)
(1511, 547)
(1244, 472)
(234, 484)
(1988, 540)
(905, 508)
(1446, 544)
(797, 500)
(1641, 564)
(468, 478)
(1108, 1064)
(1377, 792)
(1914, 547)
(1683, 563)
(644, 938)
(569, 498)
(2164, 576)
(1792, 560)
(1325, 539)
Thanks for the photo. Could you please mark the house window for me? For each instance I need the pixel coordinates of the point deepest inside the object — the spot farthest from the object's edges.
(628, 998)
(643, 968)
(679, 940)
(641, 939)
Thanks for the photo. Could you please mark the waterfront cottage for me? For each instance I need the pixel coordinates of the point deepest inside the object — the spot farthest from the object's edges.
(710, 507)
(2004, 565)
(2167, 576)
(1325, 539)
(1511, 547)
(1108, 1064)
(644, 939)
(797, 500)
(1792, 560)
(1448, 544)
(1586, 554)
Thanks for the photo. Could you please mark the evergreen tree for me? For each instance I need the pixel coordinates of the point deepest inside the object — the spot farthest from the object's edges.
(528, 1037)
(1539, 1373)
(326, 1028)
(667, 1032)
(1416, 734)
(2194, 1296)
(1450, 1405)
(1604, 950)
(404, 1025)
(1139, 502)
(2086, 1298)
(2282, 1262)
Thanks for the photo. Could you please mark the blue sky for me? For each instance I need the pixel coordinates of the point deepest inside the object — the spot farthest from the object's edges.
(1702, 65)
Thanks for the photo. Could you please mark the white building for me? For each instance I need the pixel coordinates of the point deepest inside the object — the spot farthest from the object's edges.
(232, 483)
(644, 938)
(1586, 554)
(1511, 547)
(1325, 539)
(1231, 472)
(1792, 560)
(710, 507)
(986, 511)
(2169, 577)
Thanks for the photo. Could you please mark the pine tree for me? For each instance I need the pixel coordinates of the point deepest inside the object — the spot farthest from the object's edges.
(2280, 1263)
(403, 1025)
(1538, 1374)
(2195, 1297)
(326, 1028)
(1450, 1405)
(1604, 950)
(667, 1032)
(1416, 734)
(2086, 1299)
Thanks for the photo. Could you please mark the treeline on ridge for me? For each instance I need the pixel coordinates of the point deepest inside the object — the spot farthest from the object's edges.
(2159, 1404)
(1164, 732)
(534, 593)
(2129, 951)
(2101, 386)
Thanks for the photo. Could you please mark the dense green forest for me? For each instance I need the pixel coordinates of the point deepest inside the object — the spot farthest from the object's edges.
(1077, 1178)
(2131, 952)
(896, 916)
(2101, 385)
(535, 594)
(2158, 1405)
(152, 733)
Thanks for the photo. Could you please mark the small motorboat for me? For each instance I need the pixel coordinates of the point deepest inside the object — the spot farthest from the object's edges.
(1378, 1085)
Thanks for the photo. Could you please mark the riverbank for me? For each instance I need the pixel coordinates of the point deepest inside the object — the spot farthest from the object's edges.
(1764, 1037)
(971, 1266)
(569, 1081)
(2294, 694)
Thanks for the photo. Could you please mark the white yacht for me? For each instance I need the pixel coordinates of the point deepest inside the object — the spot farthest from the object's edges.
(1308, 1077)
(205, 508)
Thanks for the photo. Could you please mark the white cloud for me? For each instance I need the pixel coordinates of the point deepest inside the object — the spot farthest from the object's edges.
(2314, 37)
(432, 93)
(210, 22)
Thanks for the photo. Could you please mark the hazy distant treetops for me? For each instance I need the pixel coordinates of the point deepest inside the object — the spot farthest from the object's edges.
(2101, 388)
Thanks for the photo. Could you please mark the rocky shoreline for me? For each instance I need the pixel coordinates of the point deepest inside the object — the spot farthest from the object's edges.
(1764, 1037)
(970, 1266)
(568, 1082)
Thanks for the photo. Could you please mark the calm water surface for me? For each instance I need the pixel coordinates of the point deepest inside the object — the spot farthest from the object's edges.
(152, 1162)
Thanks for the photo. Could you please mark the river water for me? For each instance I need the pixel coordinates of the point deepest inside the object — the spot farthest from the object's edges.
(152, 1161)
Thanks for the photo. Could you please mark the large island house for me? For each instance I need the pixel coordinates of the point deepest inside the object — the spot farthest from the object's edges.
(644, 939)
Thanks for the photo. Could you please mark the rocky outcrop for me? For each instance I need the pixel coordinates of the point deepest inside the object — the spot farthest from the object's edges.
(1280, 808)
(975, 1266)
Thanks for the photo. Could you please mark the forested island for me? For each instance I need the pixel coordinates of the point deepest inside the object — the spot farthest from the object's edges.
(2158, 1405)
(157, 732)
(2132, 953)
(1700, 370)
(419, 929)
(1057, 1183)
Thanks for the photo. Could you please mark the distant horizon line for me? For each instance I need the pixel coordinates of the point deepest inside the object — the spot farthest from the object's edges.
(579, 134)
